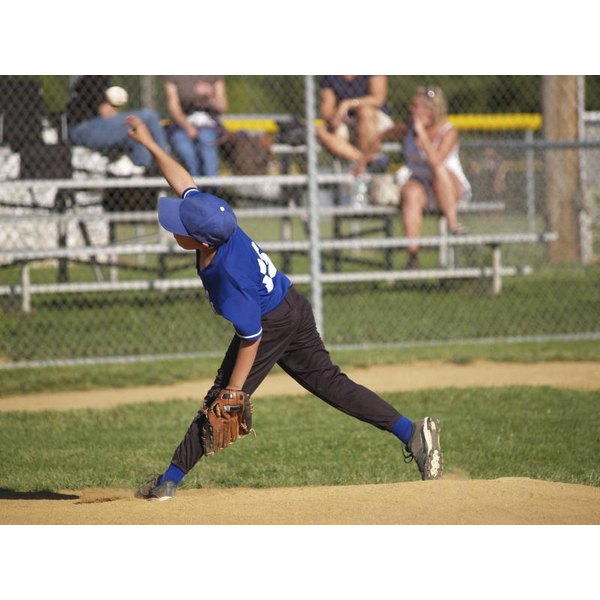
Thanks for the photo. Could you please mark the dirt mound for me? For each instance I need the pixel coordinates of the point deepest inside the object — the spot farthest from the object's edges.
(505, 501)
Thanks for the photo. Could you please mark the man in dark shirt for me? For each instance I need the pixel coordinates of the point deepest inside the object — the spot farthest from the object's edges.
(354, 110)
(95, 123)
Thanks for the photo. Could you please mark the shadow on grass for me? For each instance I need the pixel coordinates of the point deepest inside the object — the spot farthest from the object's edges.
(42, 495)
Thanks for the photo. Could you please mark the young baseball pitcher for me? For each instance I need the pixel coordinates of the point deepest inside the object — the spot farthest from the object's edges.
(273, 324)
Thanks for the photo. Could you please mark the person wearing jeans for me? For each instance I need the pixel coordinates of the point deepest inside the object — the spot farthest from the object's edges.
(200, 155)
(95, 123)
(195, 104)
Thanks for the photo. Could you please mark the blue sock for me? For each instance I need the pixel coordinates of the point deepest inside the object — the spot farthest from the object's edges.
(174, 474)
(403, 429)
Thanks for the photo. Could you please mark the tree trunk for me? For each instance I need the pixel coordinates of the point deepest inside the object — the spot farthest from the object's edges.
(561, 167)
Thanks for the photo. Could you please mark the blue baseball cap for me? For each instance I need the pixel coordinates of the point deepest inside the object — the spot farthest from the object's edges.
(204, 217)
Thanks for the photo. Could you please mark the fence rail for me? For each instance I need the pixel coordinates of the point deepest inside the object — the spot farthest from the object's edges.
(495, 272)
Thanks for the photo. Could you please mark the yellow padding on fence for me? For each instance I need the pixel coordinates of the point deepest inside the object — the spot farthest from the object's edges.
(497, 122)
(266, 125)
(473, 122)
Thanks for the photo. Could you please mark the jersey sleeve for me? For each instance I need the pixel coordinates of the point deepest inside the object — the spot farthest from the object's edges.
(188, 191)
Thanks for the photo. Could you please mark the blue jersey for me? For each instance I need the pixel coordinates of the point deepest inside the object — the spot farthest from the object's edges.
(243, 284)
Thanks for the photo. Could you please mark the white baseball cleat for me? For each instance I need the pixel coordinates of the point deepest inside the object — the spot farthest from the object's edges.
(151, 490)
(424, 447)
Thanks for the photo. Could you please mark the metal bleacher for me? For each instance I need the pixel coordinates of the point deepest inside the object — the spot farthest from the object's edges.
(64, 210)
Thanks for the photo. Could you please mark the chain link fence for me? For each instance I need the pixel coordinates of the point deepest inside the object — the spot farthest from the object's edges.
(86, 274)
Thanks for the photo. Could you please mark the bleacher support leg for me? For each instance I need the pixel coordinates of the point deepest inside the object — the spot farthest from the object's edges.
(113, 270)
(286, 236)
(443, 233)
(496, 267)
(61, 208)
(25, 289)
(388, 225)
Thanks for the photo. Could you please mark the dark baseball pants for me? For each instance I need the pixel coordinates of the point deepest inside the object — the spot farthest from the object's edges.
(290, 339)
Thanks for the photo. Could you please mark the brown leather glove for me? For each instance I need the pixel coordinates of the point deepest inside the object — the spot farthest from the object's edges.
(228, 417)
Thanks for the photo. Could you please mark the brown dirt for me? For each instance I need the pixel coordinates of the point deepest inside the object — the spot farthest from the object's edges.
(454, 500)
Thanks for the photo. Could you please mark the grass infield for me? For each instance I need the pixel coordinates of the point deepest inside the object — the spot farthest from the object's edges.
(542, 433)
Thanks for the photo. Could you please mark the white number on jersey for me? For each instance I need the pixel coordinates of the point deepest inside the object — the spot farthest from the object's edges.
(267, 268)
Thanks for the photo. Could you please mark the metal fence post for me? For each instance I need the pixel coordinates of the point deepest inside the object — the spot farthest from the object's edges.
(148, 91)
(530, 161)
(313, 203)
(585, 221)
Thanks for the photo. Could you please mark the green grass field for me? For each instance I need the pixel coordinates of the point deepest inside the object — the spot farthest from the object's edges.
(539, 433)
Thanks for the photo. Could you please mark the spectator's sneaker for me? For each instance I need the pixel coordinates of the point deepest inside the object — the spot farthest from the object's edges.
(460, 229)
(152, 491)
(424, 448)
(124, 167)
(412, 263)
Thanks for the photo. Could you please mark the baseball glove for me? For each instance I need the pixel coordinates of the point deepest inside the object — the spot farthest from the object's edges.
(228, 417)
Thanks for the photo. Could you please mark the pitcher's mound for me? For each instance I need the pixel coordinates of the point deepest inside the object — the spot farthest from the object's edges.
(451, 501)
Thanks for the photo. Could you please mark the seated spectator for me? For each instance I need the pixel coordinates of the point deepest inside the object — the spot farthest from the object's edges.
(433, 174)
(195, 104)
(355, 111)
(95, 120)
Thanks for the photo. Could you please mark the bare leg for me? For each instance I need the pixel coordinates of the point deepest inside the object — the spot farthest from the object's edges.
(414, 201)
(338, 145)
(367, 133)
(366, 129)
(447, 188)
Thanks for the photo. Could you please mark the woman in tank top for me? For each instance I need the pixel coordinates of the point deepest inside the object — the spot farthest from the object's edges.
(433, 178)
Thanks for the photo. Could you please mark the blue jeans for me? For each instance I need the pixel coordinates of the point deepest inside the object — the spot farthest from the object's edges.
(111, 134)
(200, 156)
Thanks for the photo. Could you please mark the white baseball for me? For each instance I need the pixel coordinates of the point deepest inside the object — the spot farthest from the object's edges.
(116, 95)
